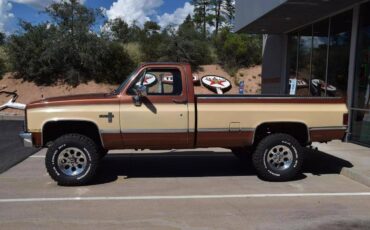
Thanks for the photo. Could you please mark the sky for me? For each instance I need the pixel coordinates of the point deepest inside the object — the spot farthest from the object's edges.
(165, 12)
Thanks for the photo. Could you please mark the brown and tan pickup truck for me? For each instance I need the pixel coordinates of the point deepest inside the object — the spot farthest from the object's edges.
(150, 112)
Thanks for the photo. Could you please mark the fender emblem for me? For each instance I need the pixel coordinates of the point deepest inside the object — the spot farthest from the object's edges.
(109, 116)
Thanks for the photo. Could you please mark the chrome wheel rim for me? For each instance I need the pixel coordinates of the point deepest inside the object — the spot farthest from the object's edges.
(280, 157)
(72, 161)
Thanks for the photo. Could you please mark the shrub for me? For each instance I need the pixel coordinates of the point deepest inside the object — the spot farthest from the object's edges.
(67, 50)
(114, 64)
(3, 65)
(33, 55)
(238, 50)
(187, 45)
(151, 41)
(2, 68)
(2, 38)
(134, 52)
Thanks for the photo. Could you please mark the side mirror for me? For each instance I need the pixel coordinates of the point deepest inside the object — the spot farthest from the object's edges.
(141, 91)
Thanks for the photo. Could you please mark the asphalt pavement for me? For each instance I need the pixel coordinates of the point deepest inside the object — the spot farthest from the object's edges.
(185, 189)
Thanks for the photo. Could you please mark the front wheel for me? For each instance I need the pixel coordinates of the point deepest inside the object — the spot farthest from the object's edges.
(72, 160)
(278, 157)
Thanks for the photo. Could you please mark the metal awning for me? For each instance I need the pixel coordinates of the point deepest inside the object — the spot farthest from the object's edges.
(277, 16)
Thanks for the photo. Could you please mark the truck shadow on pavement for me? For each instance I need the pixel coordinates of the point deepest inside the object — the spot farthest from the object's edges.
(202, 164)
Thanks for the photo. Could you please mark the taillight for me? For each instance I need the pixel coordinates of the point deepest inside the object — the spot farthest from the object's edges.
(345, 119)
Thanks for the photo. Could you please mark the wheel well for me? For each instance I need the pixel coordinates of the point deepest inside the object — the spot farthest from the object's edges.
(298, 130)
(55, 129)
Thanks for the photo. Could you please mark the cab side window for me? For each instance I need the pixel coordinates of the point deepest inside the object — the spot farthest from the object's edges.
(159, 82)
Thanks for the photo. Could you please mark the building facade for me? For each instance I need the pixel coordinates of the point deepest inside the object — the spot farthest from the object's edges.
(315, 48)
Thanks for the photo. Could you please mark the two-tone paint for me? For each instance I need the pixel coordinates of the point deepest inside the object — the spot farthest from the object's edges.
(186, 120)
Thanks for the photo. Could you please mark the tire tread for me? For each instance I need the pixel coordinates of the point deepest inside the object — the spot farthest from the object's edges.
(258, 159)
(88, 144)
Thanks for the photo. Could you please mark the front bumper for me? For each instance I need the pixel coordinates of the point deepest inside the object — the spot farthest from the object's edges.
(26, 139)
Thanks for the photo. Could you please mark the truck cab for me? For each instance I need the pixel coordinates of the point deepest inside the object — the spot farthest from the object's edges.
(156, 114)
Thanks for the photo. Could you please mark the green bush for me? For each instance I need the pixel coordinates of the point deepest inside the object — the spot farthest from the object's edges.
(67, 50)
(134, 52)
(3, 66)
(150, 43)
(4, 63)
(33, 54)
(238, 50)
(2, 38)
(113, 64)
(187, 45)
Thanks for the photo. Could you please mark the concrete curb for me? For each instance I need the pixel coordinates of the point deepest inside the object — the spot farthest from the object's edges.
(356, 157)
(356, 175)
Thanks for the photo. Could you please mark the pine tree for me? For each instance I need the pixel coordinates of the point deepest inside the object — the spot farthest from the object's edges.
(217, 14)
(223, 12)
(186, 45)
(229, 7)
(201, 14)
(2, 38)
(151, 41)
(119, 30)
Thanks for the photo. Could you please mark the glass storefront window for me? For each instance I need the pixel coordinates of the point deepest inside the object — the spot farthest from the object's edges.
(340, 39)
(319, 57)
(360, 126)
(360, 130)
(362, 79)
(304, 59)
(293, 55)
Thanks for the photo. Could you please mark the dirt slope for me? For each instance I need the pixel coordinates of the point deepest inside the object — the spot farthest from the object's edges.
(29, 92)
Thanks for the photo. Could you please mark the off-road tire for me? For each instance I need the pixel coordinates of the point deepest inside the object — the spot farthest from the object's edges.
(267, 167)
(85, 146)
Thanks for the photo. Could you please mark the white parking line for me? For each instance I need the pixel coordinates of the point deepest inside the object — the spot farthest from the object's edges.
(159, 155)
(189, 197)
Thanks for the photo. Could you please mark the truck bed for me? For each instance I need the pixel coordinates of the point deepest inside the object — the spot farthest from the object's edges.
(227, 117)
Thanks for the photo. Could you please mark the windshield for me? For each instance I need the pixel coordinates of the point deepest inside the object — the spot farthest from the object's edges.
(119, 89)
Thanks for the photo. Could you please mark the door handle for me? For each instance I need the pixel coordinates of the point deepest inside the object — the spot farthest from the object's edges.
(179, 101)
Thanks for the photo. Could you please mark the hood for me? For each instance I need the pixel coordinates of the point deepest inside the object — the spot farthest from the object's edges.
(73, 100)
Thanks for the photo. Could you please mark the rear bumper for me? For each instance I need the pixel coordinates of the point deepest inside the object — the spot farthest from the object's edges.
(26, 139)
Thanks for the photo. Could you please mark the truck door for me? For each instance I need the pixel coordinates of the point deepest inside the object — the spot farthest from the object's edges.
(160, 120)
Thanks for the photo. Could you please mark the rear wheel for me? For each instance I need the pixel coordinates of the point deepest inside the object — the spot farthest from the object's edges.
(278, 157)
(72, 160)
